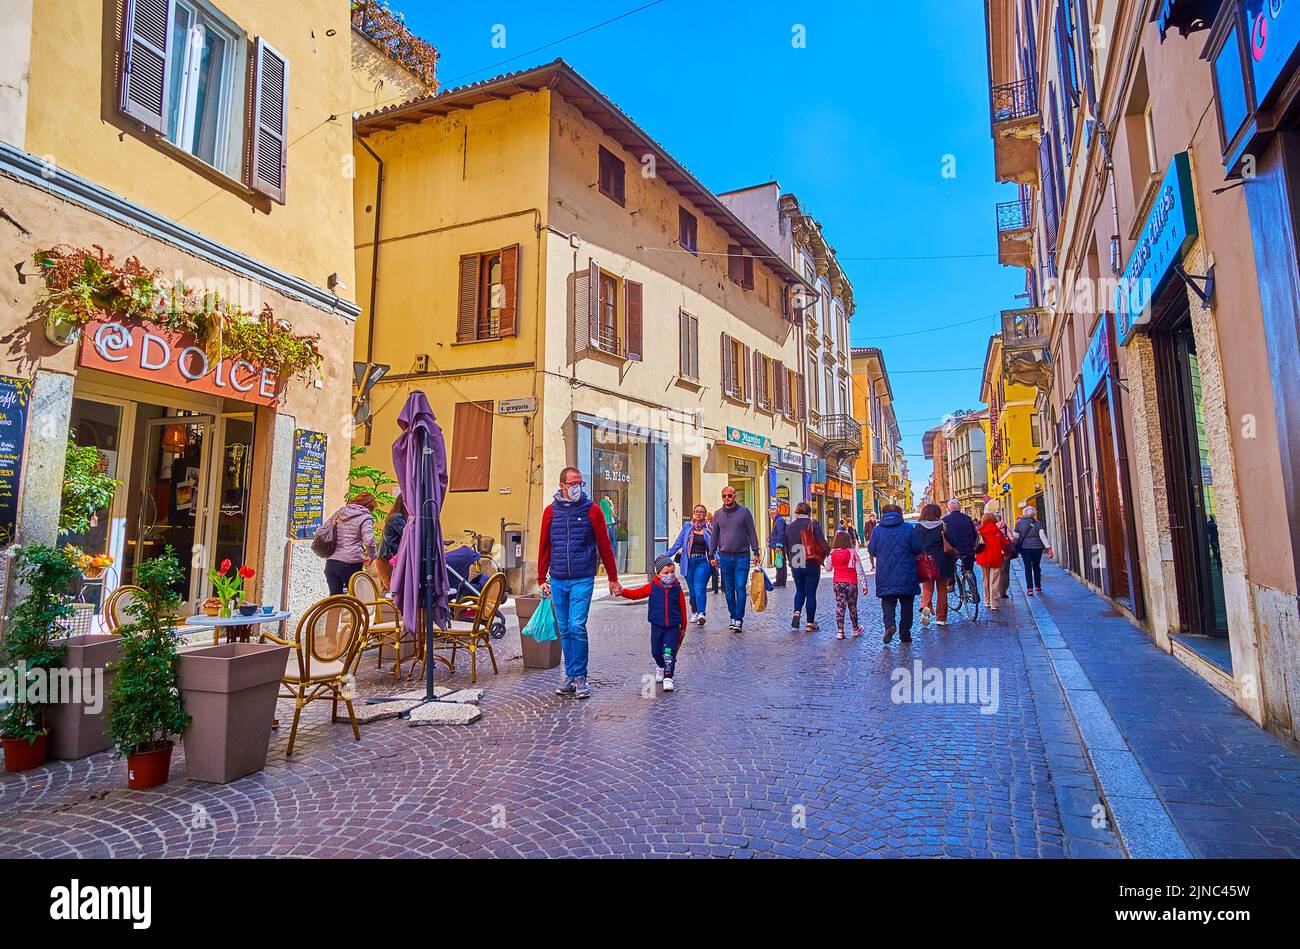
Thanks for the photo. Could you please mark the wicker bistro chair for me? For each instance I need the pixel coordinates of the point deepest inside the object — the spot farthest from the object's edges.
(385, 627)
(325, 650)
(115, 605)
(463, 634)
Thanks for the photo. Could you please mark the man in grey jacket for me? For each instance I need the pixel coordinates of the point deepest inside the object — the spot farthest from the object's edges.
(733, 548)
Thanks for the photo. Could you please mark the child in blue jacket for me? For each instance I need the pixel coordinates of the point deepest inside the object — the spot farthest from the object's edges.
(667, 614)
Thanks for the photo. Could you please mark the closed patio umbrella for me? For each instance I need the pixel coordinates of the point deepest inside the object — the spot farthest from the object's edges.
(420, 587)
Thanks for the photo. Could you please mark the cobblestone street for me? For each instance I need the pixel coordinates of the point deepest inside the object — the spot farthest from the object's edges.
(776, 743)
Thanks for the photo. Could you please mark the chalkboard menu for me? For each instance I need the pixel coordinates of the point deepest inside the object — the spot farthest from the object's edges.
(15, 397)
(307, 501)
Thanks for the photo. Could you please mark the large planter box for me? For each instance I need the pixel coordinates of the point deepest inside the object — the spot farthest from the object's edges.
(229, 692)
(75, 730)
(536, 655)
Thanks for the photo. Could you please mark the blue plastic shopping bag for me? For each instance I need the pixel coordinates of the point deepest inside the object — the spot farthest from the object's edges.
(541, 625)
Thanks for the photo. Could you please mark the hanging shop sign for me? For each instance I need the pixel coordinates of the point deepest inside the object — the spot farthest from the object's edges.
(742, 468)
(144, 351)
(307, 485)
(1096, 361)
(1274, 35)
(1170, 229)
(745, 439)
(787, 458)
(15, 398)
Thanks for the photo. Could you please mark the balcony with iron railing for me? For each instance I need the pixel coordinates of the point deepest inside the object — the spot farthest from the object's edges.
(1017, 129)
(1016, 232)
(841, 435)
(1026, 359)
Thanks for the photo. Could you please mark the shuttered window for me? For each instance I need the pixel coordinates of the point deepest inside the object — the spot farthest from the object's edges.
(471, 446)
(737, 375)
(687, 230)
(146, 62)
(740, 269)
(270, 121)
(633, 344)
(689, 346)
(487, 298)
(611, 175)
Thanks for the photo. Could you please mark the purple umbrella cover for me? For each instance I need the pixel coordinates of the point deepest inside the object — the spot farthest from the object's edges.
(424, 506)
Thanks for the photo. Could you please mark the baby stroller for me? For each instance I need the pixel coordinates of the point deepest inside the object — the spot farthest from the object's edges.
(460, 561)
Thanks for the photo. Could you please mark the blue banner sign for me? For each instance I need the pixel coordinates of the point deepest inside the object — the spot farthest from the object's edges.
(1273, 33)
(1170, 230)
(1096, 362)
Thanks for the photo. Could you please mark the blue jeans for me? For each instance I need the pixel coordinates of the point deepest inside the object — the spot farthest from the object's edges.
(572, 602)
(735, 571)
(806, 580)
(698, 572)
(1033, 558)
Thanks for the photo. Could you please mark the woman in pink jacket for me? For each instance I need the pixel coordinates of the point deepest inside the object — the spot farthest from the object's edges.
(354, 541)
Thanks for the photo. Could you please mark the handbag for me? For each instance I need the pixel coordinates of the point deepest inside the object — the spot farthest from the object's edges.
(948, 548)
(926, 568)
(326, 539)
(812, 549)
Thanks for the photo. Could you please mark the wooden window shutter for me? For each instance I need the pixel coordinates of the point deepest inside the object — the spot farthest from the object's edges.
(778, 387)
(683, 344)
(747, 370)
(508, 325)
(467, 300)
(471, 447)
(632, 303)
(144, 91)
(267, 165)
(694, 325)
(803, 398)
(735, 266)
(586, 307)
(728, 379)
(747, 273)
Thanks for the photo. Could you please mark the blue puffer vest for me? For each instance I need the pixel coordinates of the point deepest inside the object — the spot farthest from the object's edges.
(665, 604)
(573, 547)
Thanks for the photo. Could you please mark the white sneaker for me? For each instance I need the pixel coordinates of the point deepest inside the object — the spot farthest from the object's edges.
(941, 622)
(659, 674)
(668, 685)
(925, 616)
(700, 619)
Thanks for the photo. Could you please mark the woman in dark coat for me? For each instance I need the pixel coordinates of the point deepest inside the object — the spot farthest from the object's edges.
(894, 545)
(805, 562)
(930, 529)
(390, 539)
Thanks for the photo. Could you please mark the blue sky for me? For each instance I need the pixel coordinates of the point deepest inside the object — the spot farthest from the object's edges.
(858, 124)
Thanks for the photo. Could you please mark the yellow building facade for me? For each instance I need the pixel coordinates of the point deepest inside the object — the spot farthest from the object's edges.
(1013, 437)
(206, 140)
(566, 294)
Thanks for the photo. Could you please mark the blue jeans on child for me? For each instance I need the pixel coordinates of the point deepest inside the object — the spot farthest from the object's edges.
(572, 602)
(698, 572)
(664, 643)
(735, 571)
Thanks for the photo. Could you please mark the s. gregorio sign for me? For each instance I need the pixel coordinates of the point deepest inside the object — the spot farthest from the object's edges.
(144, 351)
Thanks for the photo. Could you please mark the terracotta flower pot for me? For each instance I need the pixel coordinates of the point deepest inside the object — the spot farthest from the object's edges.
(229, 693)
(149, 769)
(75, 731)
(22, 755)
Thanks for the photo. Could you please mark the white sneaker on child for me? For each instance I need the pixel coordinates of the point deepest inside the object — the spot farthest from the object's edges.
(668, 685)
(659, 675)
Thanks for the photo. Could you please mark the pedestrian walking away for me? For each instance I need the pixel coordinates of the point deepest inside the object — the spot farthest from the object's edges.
(353, 526)
(692, 548)
(776, 544)
(868, 526)
(574, 541)
(963, 534)
(991, 558)
(733, 549)
(895, 545)
(1031, 541)
(667, 615)
(848, 576)
(1009, 553)
(806, 542)
(930, 529)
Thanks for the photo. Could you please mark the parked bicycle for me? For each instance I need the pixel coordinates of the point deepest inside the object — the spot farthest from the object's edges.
(469, 565)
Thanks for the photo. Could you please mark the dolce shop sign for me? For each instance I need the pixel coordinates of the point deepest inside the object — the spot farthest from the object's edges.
(144, 351)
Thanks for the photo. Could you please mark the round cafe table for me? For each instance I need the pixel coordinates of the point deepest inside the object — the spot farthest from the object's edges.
(239, 629)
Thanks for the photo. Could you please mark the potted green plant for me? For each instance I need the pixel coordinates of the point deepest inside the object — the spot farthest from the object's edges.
(145, 709)
(30, 650)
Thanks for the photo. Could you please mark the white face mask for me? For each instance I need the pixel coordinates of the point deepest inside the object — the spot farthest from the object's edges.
(573, 491)
(668, 580)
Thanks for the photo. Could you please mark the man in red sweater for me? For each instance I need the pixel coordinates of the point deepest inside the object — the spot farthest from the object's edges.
(574, 541)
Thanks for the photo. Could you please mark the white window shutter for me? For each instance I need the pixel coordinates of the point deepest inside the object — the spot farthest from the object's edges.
(143, 87)
(268, 157)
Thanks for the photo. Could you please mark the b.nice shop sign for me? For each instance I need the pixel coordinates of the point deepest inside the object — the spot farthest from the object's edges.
(1170, 229)
(144, 351)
